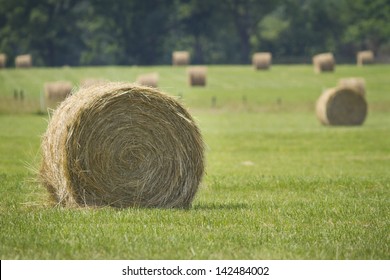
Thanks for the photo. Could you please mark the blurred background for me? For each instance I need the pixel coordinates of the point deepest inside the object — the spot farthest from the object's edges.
(144, 32)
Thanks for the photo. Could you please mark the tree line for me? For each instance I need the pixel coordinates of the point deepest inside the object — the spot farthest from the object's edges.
(145, 32)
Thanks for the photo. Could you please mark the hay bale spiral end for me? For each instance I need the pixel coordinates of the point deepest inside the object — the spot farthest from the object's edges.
(122, 145)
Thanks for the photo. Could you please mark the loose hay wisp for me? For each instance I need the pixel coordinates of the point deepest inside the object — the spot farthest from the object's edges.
(122, 145)
(149, 80)
(341, 106)
(364, 57)
(197, 75)
(324, 62)
(358, 84)
(261, 60)
(23, 61)
(87, 82)
(3, 60)
(180, 58)
(56, 92)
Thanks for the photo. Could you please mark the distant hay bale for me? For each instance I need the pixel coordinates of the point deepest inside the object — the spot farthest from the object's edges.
(56, 92)
(358, 84)
(364, 57)
(122, 145)
(180, 58)
(262, 60)
(23, 61)
(3, 60)
(341, 106)
(149, 80)
(87, 82)
(197, 75)
(324, 62)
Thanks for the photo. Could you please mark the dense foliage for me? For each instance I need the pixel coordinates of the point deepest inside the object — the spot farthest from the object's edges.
(145, 32)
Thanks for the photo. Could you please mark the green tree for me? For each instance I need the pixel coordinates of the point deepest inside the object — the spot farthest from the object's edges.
(368, 24)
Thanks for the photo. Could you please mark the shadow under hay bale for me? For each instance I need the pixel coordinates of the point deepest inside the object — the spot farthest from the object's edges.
(122, 145)
(324, 62)
(56, 92)
(341, 106)
(149, 80)
(364, 57)
(262, 60)
(358, 84)
(180, 58)
(197, 75)
(3, 60)
(23, 61)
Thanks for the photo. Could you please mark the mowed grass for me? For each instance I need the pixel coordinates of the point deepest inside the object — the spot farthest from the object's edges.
(278, 185)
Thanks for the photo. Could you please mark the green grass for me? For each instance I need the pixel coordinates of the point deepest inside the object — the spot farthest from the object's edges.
(278, 185)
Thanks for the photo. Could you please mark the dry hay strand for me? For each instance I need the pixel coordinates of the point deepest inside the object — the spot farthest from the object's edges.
(87, 82)
(122, 145)
(56, 92)
(197, 75)
(149, 80)
(23, 61)
(364, 57)
(180, 58)
(324, 62)
(358, 84)
(262, 60)
(341, 106)
(3, 60)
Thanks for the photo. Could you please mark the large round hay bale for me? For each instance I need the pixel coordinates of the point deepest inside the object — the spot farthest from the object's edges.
(122, 145)
(364, 57)
(341, 106)
(261, 60)
(23, 61)
(197, 75)
(358, 84)
(56, 92)
(3, 60)
(324, 62)
(180, 58)
(148, 79)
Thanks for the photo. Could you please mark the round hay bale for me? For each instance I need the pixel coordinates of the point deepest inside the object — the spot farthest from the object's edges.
(197, 75)
(3, 60)
(358, 84)
(180, 58)
(364, 57)
(23, 61)
(149, 80)
(56, 92)
(341, 106)
(122, 145)
(262, 60)
(324, 62)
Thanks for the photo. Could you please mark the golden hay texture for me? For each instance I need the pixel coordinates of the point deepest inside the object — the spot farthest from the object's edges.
(364, 57)
(122, 145)
(149, 80)
(358, 84)
(324, 62)
(180, 58)
(92, 81)
(261, 60)
(341, 106)
(56, 92)
(197, 75)
(23, 61)
(3, 60)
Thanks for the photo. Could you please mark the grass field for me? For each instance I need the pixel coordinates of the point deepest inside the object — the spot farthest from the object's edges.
(278, 185)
